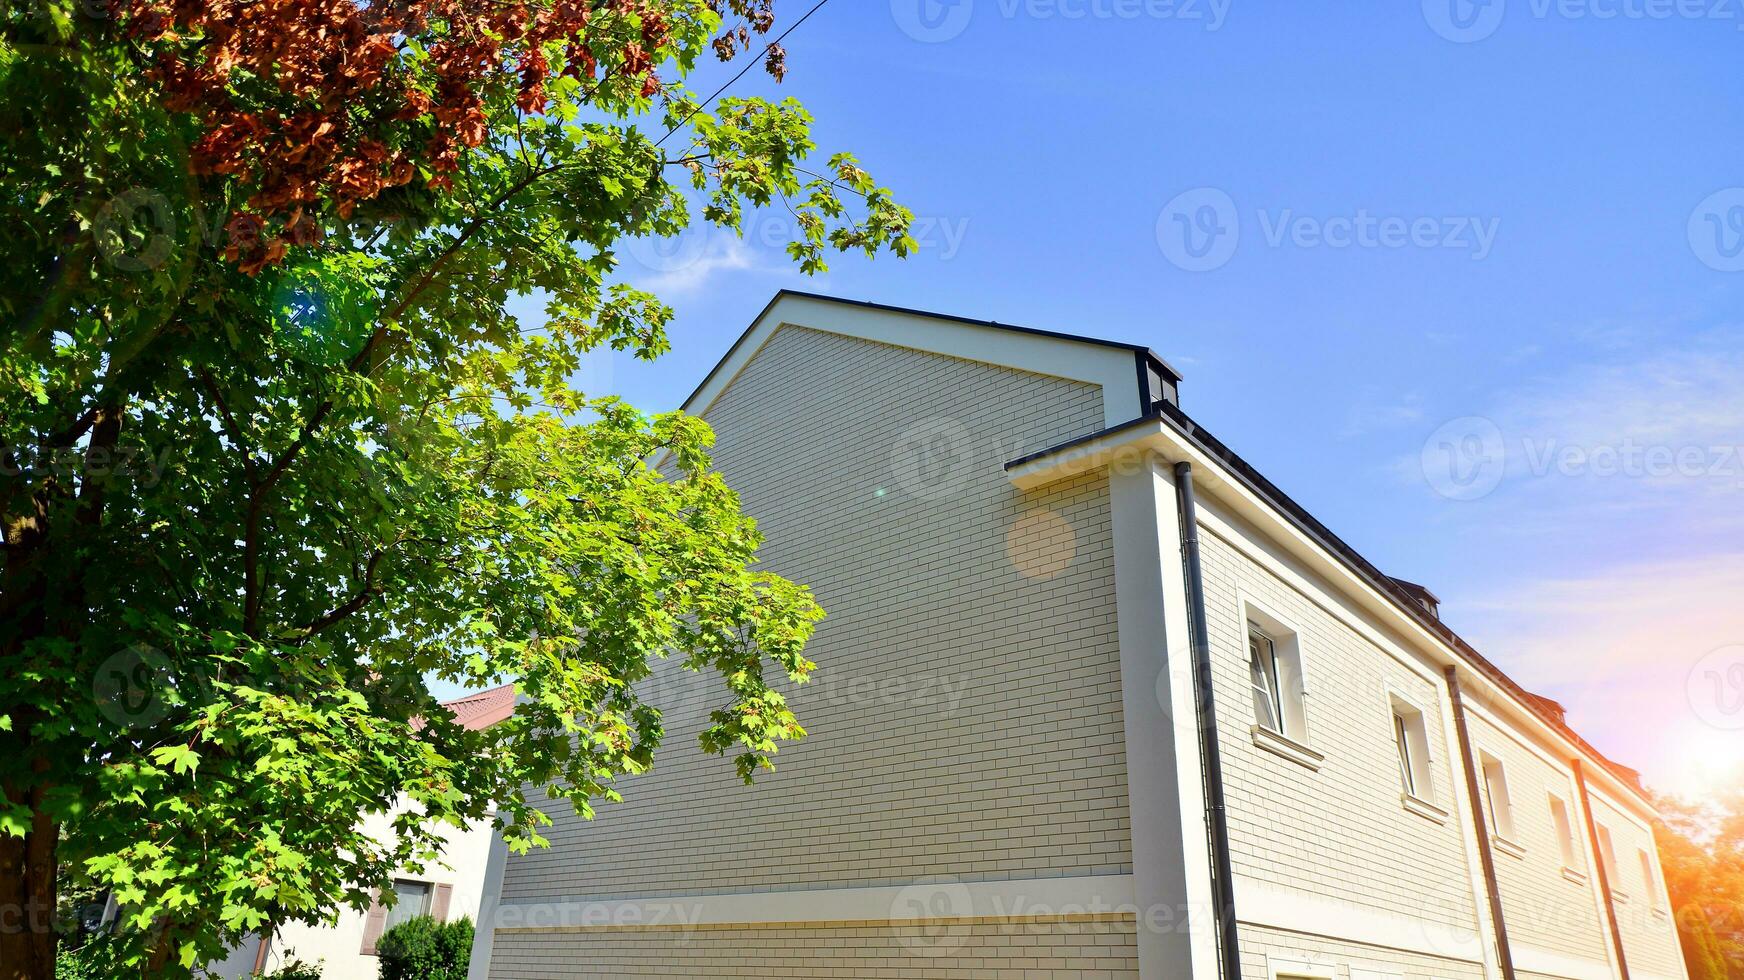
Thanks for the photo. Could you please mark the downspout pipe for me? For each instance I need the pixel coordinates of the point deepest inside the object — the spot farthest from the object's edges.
(1222, 881)
(1603, 872)
(1486, 853)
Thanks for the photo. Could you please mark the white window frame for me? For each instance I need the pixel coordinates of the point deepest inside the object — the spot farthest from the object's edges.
(1293, 742)
(1650, 879)
(1562, 822)
(1608, 855)
(1418, 792)
(1263, 656)
(1498, 813)
(1415, 751)
(1290, 968)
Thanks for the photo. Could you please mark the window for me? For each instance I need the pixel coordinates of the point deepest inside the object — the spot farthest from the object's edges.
(1274, 660)
(1651, 880)
(1564, 833)
(414, 900)
(1411, 739)
(1497, 803)
(1262, 652)
(1608, 859)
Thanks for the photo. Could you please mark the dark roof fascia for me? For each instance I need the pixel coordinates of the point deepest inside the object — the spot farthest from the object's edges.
(1089, 437)
(1310, 526)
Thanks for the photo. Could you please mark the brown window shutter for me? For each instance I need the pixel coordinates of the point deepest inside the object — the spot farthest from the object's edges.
(439, 905)
(373, 921)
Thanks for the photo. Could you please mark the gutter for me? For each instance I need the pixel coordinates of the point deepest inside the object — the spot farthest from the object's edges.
(1211, 759)
(1604, 876)
(1486, 855)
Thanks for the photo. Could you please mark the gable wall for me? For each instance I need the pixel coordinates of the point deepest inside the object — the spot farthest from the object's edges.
(965, 717)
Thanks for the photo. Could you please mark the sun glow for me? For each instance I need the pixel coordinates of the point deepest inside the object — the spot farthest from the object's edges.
(1712, 762)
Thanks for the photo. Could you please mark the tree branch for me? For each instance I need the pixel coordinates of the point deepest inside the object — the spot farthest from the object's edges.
(230, 425)
(348, 608)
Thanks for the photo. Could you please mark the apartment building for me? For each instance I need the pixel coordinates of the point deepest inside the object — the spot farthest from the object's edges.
(1095, 700)
(448, 888)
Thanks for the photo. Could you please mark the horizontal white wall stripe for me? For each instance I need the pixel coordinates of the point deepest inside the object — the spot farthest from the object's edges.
(1537, 959)
(1032, 897)
(1262, 903)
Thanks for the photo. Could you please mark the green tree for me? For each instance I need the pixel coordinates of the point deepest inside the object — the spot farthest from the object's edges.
(1701, 848)
(273, 448)
(1701, 950)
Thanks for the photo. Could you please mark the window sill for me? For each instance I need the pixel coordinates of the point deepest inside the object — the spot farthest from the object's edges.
(1578, 877)
(1423, 808)
(1287, 747)
(1508, 847)
(1620, 897)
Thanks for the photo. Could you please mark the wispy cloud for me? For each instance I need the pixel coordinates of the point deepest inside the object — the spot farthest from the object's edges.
(1658, 434)
(695, 267)
(1616, 486)
(1640, 654)
(1374, 410)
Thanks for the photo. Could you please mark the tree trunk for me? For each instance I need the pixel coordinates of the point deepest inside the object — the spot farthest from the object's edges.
(27, 898)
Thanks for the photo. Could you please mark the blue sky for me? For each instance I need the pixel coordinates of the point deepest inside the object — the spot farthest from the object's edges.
(1505, 230)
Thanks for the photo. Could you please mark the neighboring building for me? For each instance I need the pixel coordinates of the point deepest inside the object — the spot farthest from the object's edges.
(447, 889)
(1006, 774)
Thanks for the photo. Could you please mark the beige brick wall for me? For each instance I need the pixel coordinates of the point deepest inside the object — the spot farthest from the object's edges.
(1263, 949)
(1649, 937)
(1542, 908)
(965, 718)
(1341, 832)
(979, 949)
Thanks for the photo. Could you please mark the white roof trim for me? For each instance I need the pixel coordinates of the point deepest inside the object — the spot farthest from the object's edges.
(1112, 368)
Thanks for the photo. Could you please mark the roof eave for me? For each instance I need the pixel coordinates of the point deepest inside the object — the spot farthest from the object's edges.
(1172, 434)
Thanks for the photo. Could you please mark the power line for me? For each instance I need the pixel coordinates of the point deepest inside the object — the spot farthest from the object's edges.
(717, 92)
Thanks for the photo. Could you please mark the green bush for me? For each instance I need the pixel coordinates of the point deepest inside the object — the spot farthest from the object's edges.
(92, 961)
(424, 949)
